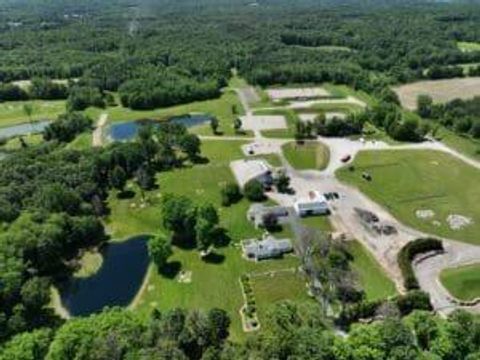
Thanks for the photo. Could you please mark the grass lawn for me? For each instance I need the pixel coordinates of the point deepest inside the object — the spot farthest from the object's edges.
(11, 112)
(376, 284)
(214, 283)
(269, 289)
(317, 222)
(462, 282)
(222, 108)
(272, 159)
(81, 142)
(405, 181)
(463, 144)
(310, 155)
(468, 46)
(90, 263)
(15, 144)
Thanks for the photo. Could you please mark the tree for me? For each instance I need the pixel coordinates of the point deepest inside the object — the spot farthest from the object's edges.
(36, 293)
(178, 214)
(283, 184)
(28, 110)
(230, 194)
(118, 178)
(214, 124)
(237, 125)
(159, 249)
(254, 191)
(145, 177)
(219, 323)
(424, 105)
(190, 145)
(206, 222)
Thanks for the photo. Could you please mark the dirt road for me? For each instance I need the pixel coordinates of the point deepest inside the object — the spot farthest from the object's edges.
(97, 138)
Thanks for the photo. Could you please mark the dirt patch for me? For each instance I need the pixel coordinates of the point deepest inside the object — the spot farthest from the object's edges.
(458, 222)
(185, 277)
(440, 90)
(424, 214)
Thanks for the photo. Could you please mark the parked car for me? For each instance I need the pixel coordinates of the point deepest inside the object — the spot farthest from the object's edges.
(346, 158)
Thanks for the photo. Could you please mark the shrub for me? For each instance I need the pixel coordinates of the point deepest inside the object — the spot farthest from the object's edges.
(230, 194)
(254, 191)
(413, 300)
(408, 253)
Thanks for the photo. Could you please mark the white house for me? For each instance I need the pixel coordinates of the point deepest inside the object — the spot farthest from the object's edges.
(267, 248)
(314, 204)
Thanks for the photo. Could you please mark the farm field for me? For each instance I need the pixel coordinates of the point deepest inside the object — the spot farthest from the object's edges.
(468, 46)
(310, 155)
(462, 282)
(12, 113)
(440, 90)
(376, 284)
(428, 190)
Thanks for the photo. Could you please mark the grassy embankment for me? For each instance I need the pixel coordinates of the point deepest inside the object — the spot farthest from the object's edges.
(462, 282)
(376, 284)
(410, 180)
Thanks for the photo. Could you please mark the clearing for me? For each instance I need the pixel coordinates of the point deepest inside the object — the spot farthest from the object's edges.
(466, 46)
(462, 282)
(12, 113)
(376, 284)
(309, 155)
(408, 181)
(441, 91)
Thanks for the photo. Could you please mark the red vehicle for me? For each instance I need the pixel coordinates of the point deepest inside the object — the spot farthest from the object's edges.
(346, 158)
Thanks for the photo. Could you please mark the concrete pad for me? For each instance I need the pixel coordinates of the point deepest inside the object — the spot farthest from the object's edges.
(263, 122)
(328, 115)
(293, 93)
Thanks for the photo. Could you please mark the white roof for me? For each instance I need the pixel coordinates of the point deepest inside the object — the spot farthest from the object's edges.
(246, 170)
(313, 199)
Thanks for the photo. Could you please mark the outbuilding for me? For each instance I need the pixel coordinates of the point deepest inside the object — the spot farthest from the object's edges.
(267, 248)
(248, 170)
(314, 204)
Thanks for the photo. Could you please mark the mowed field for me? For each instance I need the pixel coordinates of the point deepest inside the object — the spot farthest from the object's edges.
(462, 282)
(12, 113)
(428, 190)
(310, 155)
(440, 90)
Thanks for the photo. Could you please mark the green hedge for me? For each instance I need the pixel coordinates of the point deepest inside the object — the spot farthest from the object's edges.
(408, 253)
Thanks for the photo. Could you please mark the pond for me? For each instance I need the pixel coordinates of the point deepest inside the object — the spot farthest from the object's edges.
(128, 130)
(116, 283)
(23, 129)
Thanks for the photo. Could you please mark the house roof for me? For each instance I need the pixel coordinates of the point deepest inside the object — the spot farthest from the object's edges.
(313, 199)
(246, 170)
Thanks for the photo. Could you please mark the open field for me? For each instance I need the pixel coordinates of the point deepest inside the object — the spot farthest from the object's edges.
(282, 285)
(15, 144)
(213, 284)
(317, 222)
(310, 155)
(200, 182)
(222, 108)
(81, 142)
(468, 46)
(376, 284)
(462, 282)
(11, 112)
(428, 190)
(440, 90)
(462, 143)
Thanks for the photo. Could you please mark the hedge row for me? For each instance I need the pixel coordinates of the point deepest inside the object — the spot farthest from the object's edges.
(413, 300)
(408, 253)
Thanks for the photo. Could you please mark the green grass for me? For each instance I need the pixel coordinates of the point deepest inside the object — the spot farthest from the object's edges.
(272, 159)
(269, 289)
(81, 142)
(462, 282)
(90, 263)
(468, 46)
(318, 222)
(345, 91)
(11, 112)
(201, 183)
(310, 155)
(213, 284)
(462, 143)
(376, 284)
(222, 108)
(408, 180)
(15, 144)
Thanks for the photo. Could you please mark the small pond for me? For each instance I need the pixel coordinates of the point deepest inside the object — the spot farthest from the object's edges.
(128, 130)
(23, 129)
(116, 283)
